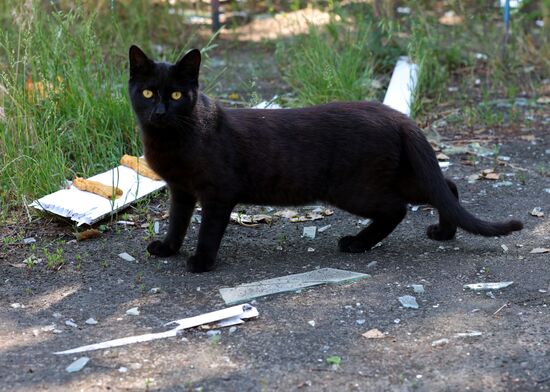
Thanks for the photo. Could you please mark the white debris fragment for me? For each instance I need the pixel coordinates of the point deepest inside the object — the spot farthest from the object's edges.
(364, 222)
(418, 288)
(311, 250)
(77, 365)
(487, 286)
(372, 264)
(504, 248)
(48, 328)
(17, 305)
(408, 301)
(122, 369)
(29, 240)
(310, 232)
(324, 228)
(155, 290)
(232, 329)
(540, 250)
(213, 332)
(469, 334)
(133, 311)
(126, 256)
(440, 342)
(537, 211)
(156, 227)
(57, 315)
(374, 334)
(71, 323)
(311, 322)
(91, 321)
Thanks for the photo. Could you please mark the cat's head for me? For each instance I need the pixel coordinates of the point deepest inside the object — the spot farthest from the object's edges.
(163, 94)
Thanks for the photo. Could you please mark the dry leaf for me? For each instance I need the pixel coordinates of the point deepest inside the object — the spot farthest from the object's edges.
(540, 250)
(374, 334)
(442, 157)
(492, 176)
(87, 234)
(528, 138)
(250, 220)
(286, 214)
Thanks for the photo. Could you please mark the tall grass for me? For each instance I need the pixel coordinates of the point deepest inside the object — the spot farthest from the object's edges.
(63, 91)
(337, 61)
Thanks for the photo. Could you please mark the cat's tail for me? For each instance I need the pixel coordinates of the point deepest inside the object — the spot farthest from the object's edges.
(428, 174)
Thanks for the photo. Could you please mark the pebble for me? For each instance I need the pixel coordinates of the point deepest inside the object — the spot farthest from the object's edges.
(133, 311)
(91, 321)
(408, 301)
(71, 323)
(126, 256)
(213, 332)
(440, 342)
(311, 322)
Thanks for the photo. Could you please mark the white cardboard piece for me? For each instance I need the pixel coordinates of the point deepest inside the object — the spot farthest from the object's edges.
(85, 207)
(400, 93)
(224, 318)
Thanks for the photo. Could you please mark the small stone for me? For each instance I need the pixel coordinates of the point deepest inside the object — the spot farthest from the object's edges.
(311, 322)
(440, 342)
(232, 329)
(537, 211)
(155, 290)
(311, 250)
(360, 321)
(16, 305)
(135, 366)
(213, 332)
(374, 334)
(126, 256)
(122, 369)
(396, 321)
(408, 301)
(91, 321)
(418, 288)
(77, 365)
(71, 323)
(133, 311)
(48, 328)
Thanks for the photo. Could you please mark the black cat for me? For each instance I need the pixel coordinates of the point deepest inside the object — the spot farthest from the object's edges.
(362, 157)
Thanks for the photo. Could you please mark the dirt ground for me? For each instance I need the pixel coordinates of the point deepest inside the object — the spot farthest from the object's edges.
(282, 349)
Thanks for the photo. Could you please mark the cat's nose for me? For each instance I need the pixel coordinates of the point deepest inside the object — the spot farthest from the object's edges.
(160, 110)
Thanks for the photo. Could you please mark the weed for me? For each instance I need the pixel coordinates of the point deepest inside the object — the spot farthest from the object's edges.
(522, 176)
(139, 278)
(54, 260)
(104, 263)
(334, 360)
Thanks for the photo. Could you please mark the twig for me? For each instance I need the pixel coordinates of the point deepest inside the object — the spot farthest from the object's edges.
(502, 307)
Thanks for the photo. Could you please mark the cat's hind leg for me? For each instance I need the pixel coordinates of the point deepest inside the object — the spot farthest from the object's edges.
(384, 220)
(444, 230)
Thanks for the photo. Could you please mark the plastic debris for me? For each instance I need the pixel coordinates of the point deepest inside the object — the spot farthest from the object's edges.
(440, 342)
(399, 94)
(16, 305)
(156, 227)
(250, 220)
(122, 369)
(487, 286)
(232, 329)
(408, 301)
(504, 248)
(236, 313)
(77, 365)
(29, 240)
(374, 334)
(91, 321)
(155, 290)
(361, 321)
(133, 311)
(310, 232)
(262, 288)
(311, 322)
(213, 332)
(126, 256)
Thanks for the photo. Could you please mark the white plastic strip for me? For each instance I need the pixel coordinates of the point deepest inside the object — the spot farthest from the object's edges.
(403, 81)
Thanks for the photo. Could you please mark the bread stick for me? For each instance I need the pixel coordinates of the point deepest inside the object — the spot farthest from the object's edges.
(97, 187)
(139, 165)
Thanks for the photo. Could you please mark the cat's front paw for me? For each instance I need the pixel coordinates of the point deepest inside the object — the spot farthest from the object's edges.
(199, 263)
(160, 248)
(350, 244)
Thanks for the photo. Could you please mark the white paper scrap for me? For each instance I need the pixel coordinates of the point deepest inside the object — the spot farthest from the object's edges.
(224, 317)
(85, 207)
(487, 286)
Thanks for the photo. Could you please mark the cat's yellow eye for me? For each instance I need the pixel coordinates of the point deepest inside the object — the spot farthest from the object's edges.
(176, 95)
(147, 93)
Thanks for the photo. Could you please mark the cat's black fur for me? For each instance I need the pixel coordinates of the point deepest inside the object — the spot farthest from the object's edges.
(362, 157)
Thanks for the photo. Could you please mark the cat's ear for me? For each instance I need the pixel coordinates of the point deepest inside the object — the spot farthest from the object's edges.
(188, 66)
(139, 62)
